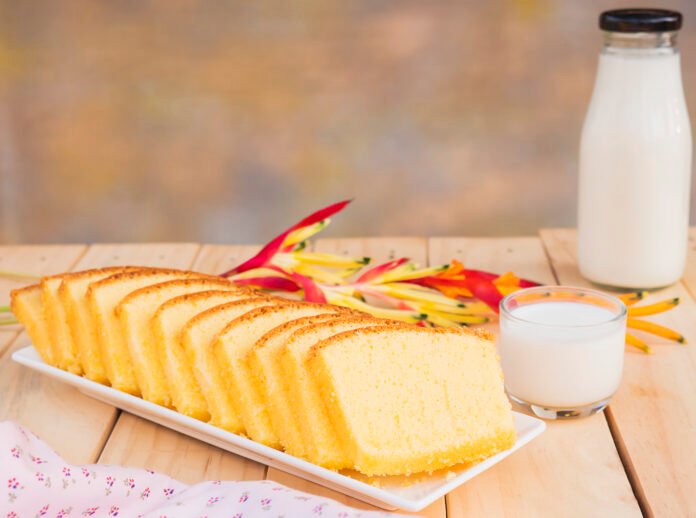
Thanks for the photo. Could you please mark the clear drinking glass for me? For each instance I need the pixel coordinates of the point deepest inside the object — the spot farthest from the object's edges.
(562, 349)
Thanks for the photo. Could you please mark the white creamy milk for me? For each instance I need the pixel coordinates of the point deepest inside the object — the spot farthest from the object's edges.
(635, 170)
(567, 360)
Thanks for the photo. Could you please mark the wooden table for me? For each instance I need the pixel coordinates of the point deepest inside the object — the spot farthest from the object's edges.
(639, 456)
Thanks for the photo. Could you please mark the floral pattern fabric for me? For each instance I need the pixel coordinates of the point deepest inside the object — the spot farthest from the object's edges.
(37, 482)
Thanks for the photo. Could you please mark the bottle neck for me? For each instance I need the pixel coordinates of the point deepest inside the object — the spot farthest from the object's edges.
(654, 43)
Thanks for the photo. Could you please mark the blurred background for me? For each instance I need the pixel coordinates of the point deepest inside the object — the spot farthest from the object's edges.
(216, 121)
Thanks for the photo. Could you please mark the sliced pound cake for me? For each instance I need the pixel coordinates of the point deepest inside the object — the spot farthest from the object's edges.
(43, 311)
(27, 306)
(317, 435)
(197, 339)
(62, 344)
(135, 312)
(407, 399)
(103, 296)
(232, 347)
(83, 331)
(268, 374)
(167, 324)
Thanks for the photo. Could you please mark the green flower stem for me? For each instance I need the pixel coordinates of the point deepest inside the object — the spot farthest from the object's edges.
(8, 321)
(18, 275)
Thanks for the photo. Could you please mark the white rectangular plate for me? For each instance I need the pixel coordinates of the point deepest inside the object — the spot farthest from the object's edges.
(392, 493)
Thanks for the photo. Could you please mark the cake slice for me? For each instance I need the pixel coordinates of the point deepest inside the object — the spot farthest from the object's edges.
(135, 312)
(27, 306)
(318, 438)
(197, 339)
(103, 296)
(268, 374)
(232, 347)
(167, 324)
(72, 294)
(407, 399)
(63, 346)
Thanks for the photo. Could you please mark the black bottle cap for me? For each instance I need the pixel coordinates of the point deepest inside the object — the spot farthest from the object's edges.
(640, 20)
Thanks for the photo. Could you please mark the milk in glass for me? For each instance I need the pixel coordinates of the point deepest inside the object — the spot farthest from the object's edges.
(562, 349)
(570, 360)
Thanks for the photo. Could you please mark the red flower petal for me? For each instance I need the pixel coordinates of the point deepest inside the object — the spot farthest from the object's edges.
(270, 283)
(378, 270)
(392, 301)
(486, 292)
(312, 291)
(480, 274)
(268, 251)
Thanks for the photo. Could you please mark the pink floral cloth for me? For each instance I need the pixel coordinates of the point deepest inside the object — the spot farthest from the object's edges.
(37, 482)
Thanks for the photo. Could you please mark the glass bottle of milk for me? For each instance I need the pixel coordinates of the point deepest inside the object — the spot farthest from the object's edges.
(635, 156)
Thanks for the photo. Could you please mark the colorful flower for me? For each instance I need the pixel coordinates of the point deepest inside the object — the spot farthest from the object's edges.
(12, 483)
(396, 290)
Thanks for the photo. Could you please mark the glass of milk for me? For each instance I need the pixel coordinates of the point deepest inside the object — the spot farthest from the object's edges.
(635, 156)
(562, 349)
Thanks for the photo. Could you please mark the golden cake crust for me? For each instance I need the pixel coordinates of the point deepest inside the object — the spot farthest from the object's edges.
(252, 315)
(217, 309)
(213, 280)
(100, 271)
(341, 312)
(192, 297)
(144, 272)
(19, 291)
(484, 336)
(281, 329)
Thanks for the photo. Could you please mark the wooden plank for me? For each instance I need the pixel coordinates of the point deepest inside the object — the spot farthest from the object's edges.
(22, 395)
(689, 278)
(380, 249)
(163, 255)
(653, 415)
(7, 335)
(573, 468)
(220, 258)
(141, 443)
(72, 423)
